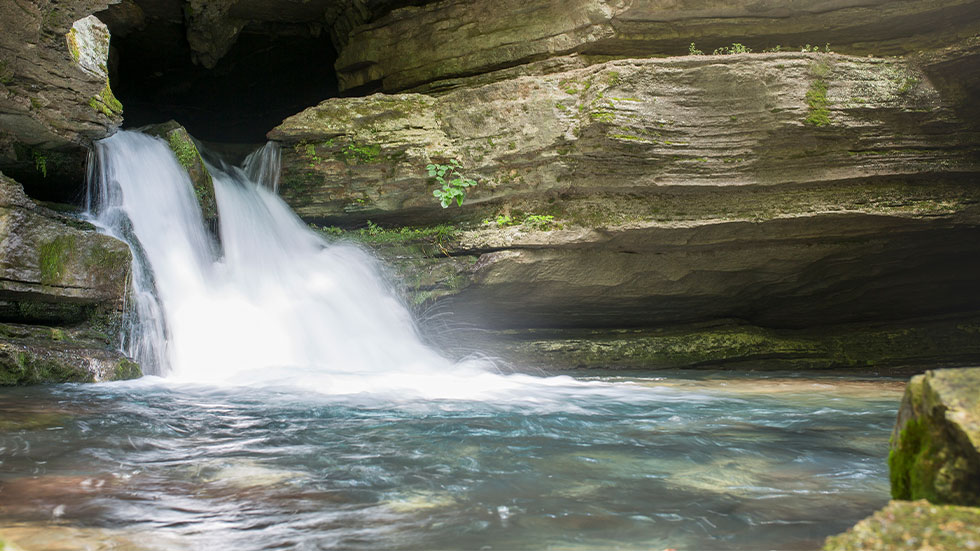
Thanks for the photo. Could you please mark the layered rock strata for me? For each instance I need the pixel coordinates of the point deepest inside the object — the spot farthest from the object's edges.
(433, 46)
(62, 287)
(783, 191)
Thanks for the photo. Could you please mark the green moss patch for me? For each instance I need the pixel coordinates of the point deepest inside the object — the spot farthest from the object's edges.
(106, 103)
(816, 100)
(184, 148)
(21, 367)
(72, 39)
(913, 464)
(53, 257)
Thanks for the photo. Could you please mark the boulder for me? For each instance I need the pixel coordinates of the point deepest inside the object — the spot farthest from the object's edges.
(54, 267)
(913, 526)
(935, 447)
(34, 355)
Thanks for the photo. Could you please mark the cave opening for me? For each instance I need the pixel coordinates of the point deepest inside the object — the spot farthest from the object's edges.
(264, 78)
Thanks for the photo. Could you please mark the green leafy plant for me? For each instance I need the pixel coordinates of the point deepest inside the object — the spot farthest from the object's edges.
(735, 48)
(693, 50)
(811, 49)
(453, 183)
(41, 164)
(502, 221)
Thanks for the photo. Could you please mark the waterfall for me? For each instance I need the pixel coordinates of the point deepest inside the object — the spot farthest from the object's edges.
(274, 296)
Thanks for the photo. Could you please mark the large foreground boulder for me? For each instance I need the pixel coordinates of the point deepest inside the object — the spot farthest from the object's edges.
(935, 451)
(913, 526)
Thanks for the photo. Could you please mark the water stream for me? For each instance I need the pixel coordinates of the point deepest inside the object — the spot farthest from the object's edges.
(292, 405)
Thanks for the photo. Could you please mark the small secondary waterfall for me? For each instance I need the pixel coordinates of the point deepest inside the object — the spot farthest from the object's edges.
(279, 297)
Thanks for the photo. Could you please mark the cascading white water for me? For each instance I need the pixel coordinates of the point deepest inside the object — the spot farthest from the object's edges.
(279, 306)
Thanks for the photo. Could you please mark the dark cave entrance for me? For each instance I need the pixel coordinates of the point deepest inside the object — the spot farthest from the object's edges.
(264, 78)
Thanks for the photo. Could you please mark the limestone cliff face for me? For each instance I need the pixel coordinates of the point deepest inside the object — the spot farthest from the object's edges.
(431, 46)
(789, 190)
(633, 140)
(62, 287)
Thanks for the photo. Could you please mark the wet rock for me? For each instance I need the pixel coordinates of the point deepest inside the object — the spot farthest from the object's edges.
(190, 158)
(912, 526)
(32, 355)
(52, 266)
(935, 451)
(58, 272)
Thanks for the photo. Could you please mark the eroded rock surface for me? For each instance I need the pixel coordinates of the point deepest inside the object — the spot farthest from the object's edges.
(430, 46)
(690, 138)
(55, 97)
(645, 193)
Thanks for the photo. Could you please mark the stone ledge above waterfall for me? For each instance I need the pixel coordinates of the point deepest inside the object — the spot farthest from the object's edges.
(638, 140)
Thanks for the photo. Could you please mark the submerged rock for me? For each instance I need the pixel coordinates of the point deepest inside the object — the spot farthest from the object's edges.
(913, 526)
(935, 451)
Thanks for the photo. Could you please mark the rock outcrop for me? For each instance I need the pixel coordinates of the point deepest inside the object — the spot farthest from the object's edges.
(55, 97)
(935, 451)
(434, 46)
(689, 138)
(784, 191)
(62, 287)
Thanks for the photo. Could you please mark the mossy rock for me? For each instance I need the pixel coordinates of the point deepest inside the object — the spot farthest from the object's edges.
(935, 453)
(57, 359)
(189, 157)
(912, 526)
